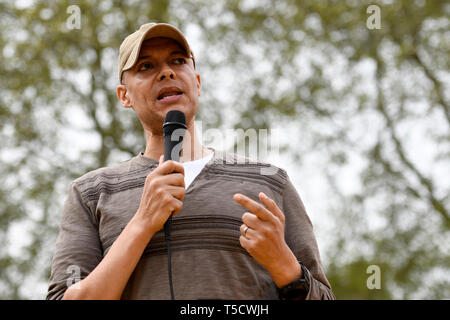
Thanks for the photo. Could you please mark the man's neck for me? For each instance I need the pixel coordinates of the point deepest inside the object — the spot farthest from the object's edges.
(192, 148)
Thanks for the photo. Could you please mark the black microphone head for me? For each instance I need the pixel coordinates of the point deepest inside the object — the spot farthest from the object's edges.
(175, 116)
(174, 119)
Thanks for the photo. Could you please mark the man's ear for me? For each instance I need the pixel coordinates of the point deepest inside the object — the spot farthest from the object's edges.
(122, 95)
(199, 83)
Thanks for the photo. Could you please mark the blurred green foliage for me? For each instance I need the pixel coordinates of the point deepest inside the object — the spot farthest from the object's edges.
(372, 100)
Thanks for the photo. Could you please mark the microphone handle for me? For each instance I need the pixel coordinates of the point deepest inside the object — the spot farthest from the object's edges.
(168, 147)
(169, 144)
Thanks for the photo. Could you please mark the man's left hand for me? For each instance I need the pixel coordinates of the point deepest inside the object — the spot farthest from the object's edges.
(262, 235)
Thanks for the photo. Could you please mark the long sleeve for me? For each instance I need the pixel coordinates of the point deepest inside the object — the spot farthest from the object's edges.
(301, 240)
(78, 248)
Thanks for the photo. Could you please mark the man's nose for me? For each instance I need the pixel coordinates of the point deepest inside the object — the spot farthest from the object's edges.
(166, 73)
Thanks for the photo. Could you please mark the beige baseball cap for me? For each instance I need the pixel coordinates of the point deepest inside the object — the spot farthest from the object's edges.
(131, 46)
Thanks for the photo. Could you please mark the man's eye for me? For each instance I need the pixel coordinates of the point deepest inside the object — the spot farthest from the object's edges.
(179, 61)
(145, 66)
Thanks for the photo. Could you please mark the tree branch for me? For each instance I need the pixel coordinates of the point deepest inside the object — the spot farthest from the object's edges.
(437, 205)
(436, 83)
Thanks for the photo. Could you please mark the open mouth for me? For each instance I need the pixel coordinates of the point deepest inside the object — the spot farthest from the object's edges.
(169, 96)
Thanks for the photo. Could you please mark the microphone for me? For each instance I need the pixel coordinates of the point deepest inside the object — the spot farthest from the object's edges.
(174, 128)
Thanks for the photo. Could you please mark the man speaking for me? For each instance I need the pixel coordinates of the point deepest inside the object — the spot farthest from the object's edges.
(236, 233)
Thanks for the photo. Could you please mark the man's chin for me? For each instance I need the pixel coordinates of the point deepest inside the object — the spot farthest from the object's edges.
(155, 124)
(188, 111)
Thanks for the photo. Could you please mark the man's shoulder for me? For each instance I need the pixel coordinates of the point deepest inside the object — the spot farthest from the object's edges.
(119, 173)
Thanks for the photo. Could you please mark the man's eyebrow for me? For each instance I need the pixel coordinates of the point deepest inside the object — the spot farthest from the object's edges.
(172, 53)
(142, 58)
(178, 52)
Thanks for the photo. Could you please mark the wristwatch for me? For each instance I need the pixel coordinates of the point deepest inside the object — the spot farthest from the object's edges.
(297, 289)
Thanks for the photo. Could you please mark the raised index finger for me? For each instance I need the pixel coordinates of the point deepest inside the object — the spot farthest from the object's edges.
(253, 206)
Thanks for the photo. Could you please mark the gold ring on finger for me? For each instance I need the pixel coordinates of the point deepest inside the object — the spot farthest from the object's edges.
(245, 230)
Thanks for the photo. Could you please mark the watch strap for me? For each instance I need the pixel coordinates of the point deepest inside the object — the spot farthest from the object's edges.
(297, 289)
